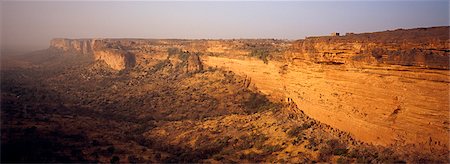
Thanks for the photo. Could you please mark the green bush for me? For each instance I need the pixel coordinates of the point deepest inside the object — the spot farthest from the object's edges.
(173, 51)
(295, 131)
(184, 56)
(261, 54)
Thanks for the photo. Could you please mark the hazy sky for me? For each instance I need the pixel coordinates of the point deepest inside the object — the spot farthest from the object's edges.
(33, 24)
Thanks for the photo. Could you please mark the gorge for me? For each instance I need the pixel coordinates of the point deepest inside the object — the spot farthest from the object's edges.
(313, 99)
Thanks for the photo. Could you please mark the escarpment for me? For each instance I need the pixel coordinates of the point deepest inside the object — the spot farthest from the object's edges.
(423, 47)
(110, 52)
(387, 88)
(377, 86)
(80, 46)
(114, 55)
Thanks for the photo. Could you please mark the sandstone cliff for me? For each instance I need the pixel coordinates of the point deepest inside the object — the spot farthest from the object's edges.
(423, 47)
(116, 59)
(81, 46)
(109, 52)
(113, 54)
(375, 86)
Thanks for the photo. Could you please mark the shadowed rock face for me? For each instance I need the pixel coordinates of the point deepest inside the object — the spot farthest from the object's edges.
(377, 86)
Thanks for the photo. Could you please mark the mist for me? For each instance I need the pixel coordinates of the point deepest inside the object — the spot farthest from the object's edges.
(27, 26)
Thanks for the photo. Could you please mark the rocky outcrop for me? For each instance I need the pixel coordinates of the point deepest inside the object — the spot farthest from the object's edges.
(116, 59)
(183, 62)
(113, 54)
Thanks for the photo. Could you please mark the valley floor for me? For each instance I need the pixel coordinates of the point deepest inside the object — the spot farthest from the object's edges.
(86, 112)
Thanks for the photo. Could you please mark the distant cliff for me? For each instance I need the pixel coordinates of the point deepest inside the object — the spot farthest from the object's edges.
(81, 46)
(115, 57)
(423, 47)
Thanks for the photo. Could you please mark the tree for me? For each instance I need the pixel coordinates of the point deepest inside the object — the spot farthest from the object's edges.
(115, 159)
(261, 54)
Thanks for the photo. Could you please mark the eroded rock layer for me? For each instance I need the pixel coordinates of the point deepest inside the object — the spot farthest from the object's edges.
(424, 47)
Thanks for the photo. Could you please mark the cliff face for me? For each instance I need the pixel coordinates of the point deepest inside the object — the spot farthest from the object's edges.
(426, 47)
(116, 59)
(377, 86)
(110, 53)
(113, 54)
(380, 105)
(81, 46)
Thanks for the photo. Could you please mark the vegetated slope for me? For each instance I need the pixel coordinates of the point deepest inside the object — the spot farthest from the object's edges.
(161, 113)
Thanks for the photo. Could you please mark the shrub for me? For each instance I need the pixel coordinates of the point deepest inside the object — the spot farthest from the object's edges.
(222, 142)
(134, 159)
(295, 131)
(141, 140)
(312, 143)
(342, 160)
(253, 140)
(378, 53)
(111, 150)
(253, 157)
(269, 149)
(298, 140)
(115, 159)
(340, 151)
(184, 56)
(95, 143)
(332, 147)
(173, 51)
(218, 157)
(260, 54)
(160, 65)
(336, 147)
(325, 153)
(258, 102)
